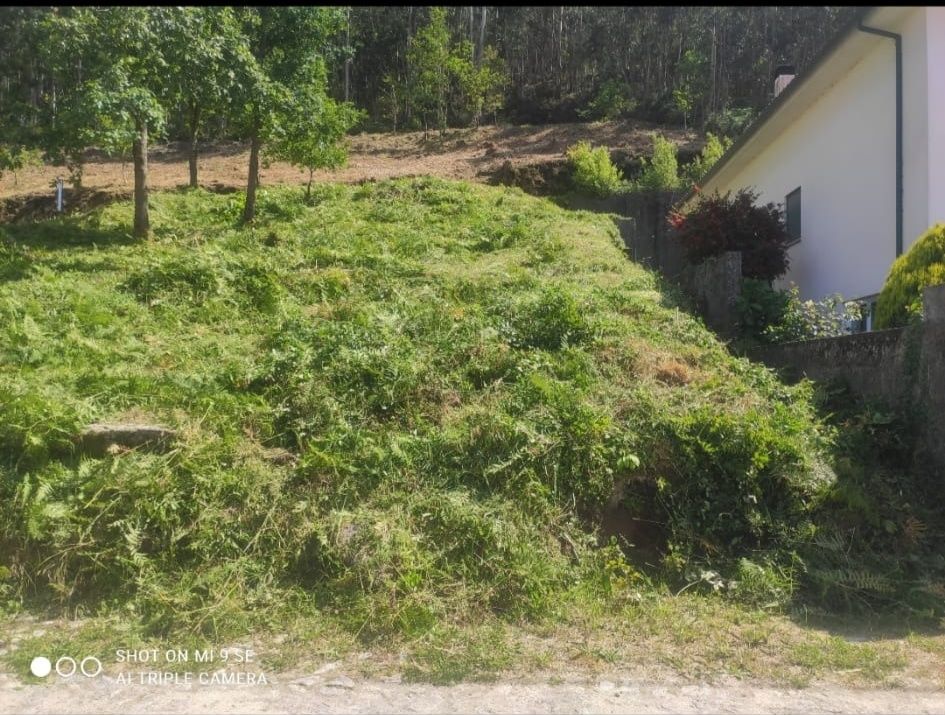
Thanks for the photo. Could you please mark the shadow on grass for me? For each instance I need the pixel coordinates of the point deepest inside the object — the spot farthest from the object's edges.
(67, 233)
(867, 628)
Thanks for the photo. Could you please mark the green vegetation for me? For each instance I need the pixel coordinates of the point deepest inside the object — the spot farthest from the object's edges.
(445, 80)
(769, 315)
(661, 170)
(881, 525)
(921, 266)
(611, 101)
(592, 171)
(713, 150)
(401, 405)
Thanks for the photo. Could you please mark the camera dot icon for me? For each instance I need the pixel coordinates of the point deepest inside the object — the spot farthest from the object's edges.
(40, 666)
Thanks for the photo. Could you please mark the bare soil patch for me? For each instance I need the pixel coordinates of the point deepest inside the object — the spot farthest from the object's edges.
(482, 154)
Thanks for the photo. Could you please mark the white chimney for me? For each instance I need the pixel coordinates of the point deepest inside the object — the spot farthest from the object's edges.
(782, 78)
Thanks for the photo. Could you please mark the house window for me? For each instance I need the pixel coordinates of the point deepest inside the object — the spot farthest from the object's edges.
(792, 215)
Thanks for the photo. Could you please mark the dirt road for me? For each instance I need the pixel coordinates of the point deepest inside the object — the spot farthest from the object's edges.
(338, 694)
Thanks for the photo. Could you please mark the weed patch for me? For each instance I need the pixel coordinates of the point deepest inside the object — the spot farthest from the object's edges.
(458, 379)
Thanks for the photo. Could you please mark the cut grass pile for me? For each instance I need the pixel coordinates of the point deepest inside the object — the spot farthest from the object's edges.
(401, 407)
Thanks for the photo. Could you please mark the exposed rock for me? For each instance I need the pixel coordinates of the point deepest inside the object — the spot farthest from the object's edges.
(100, 439)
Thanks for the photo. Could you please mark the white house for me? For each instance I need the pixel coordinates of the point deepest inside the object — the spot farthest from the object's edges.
(855, 150)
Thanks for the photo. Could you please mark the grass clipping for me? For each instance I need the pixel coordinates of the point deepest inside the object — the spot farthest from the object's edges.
(405, 403)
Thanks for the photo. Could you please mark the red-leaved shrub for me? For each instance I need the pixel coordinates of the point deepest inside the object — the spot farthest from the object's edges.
(717, 224)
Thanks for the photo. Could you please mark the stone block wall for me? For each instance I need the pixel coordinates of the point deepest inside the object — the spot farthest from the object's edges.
(904, 367)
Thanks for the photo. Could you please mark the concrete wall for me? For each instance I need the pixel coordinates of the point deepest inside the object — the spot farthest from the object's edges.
(903, 367)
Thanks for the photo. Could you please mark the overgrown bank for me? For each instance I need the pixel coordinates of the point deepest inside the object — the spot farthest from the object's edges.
(402, 407)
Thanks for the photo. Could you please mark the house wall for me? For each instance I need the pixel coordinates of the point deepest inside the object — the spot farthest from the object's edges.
(935, 153)
(915, 119)
(841, 151)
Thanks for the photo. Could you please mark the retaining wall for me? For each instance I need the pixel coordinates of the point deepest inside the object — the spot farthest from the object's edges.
(904, 368)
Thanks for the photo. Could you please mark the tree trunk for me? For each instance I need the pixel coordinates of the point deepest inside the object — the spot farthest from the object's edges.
(192, 160)
(192, 157)
(308, 189)
(139, 150)
(249, 210)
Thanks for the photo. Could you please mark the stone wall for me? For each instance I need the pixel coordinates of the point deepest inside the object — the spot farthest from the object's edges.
(714, 285)
(903, 367)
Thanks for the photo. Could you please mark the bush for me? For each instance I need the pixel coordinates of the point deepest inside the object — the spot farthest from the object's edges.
(592, 171)
(661, 171)
(759, 307)
(732, 121)
(921, 266)
(769, 315)
(611, 101)
(713, 150)
(738, 484)
(724, 223)
(808, 319)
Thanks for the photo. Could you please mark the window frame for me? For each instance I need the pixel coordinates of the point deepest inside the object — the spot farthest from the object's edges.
(794, 240)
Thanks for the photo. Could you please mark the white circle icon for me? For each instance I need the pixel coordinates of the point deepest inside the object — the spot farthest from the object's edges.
(40, 666)
(65, 659)
(90, 659)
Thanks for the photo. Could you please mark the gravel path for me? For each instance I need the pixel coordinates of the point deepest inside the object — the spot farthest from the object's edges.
(340, 694)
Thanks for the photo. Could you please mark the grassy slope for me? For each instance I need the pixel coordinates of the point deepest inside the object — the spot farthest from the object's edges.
(457, 373)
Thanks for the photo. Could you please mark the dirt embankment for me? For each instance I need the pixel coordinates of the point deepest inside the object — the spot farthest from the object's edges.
(530, 156)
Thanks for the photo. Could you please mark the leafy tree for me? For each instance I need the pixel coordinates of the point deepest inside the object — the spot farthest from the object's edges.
(286, 44)
(19, 118)
(115, 103)
(205, 51)
(480, 85)
(689, 85)
(312, 133)
(428, 63)
(14, 157)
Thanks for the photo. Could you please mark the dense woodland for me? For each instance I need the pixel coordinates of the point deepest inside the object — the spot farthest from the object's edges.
(709, 66)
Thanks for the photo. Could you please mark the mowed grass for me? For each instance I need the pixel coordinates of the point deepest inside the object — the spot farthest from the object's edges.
(402, 408)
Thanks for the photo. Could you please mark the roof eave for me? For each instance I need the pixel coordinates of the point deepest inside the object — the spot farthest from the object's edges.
(779, 101)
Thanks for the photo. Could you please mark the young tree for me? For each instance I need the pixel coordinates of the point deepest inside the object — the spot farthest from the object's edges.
(690, 84)
(285, 43)
(480, 85)
(428, 75)
(115, 101)
(312, 132)
(204, 51)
